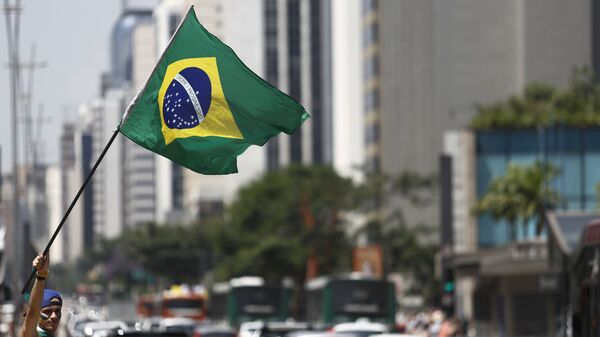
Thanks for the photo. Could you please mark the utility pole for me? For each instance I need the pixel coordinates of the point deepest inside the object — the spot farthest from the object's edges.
(31, 184)
(27, 99)
(12, 13)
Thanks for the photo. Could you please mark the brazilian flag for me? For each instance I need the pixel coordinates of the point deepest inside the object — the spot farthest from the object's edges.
(202, 107)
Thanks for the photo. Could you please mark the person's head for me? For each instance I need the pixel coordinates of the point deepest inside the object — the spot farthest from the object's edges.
(51, 311)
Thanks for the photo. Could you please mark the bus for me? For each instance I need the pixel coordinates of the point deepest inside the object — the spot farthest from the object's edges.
(333, 300)
(183, 301)
(585, 282)
(248, 298)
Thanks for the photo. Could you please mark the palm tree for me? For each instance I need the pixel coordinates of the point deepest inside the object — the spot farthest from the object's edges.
(520, 195)
(537, 193)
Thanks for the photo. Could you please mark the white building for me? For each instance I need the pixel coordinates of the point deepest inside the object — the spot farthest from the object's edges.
(55, 210)
(107, 181)
(347, 87)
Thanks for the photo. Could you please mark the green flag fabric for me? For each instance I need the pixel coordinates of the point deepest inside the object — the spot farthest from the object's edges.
(202, 107)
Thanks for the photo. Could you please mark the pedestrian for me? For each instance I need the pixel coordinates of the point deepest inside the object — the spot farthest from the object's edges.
(44, 311)
(448, 328)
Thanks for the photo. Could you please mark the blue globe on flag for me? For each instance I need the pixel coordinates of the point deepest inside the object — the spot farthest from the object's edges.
(187, 99)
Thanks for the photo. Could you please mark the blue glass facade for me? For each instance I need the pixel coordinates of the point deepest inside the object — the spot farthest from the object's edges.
(576, 151)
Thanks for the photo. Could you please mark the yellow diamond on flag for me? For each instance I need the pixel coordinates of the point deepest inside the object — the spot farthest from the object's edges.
(191, 101)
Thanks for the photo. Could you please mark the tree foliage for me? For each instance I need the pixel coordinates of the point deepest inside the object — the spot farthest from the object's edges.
(273, 227)
(544, 105)
(401, 242)
(277, 221)
(180, 254)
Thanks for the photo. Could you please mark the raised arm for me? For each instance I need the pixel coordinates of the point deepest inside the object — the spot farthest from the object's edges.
(29, 328)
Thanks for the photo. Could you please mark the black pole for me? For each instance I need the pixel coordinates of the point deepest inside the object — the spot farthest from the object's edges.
(62, 222)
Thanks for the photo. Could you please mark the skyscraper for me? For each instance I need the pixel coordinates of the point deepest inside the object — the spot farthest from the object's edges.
(70, 168)
(298, 61)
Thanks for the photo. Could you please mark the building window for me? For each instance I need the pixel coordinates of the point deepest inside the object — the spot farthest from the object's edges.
(372, 101)
(372, 134)
(177, 186)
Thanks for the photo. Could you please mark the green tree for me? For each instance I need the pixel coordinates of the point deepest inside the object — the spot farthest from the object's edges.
(522, 194)
(383, 198)
(178, 253)
(275, 223)
(543, 105)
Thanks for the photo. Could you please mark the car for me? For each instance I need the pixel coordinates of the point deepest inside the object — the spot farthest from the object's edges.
(186, 325)
(248, 329)
(94, 329)
(148, 323)
(395, 335)
(76, 325)
(317, 334)
(280, 329)
(135, 333)
(361, 328)
(214, 331)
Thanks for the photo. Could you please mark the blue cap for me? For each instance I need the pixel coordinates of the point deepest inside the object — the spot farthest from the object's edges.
(49, 296)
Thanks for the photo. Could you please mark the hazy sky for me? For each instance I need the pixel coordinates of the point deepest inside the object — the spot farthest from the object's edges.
(72, 37)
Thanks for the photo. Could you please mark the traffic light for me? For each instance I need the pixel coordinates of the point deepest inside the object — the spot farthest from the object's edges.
(449, 286)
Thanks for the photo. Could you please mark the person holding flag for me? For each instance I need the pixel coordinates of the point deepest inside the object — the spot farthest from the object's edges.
(44, 311)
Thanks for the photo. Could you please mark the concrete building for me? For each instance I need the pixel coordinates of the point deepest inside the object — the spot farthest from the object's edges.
(108, 179)
(85, 161)
(76, 153)
(427, 63)
(139, 171)
(70, 177)
(124, 185)
(298, 61)
(437, 59)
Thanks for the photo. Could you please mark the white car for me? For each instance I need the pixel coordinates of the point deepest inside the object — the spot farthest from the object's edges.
(183, 324)
(361, 328)
(249, 329)
(149, 323)
(94, 328)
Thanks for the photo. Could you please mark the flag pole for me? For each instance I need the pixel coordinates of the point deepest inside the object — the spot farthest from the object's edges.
(62, 222)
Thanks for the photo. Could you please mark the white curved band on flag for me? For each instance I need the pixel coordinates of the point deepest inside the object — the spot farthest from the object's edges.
(190, 91)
